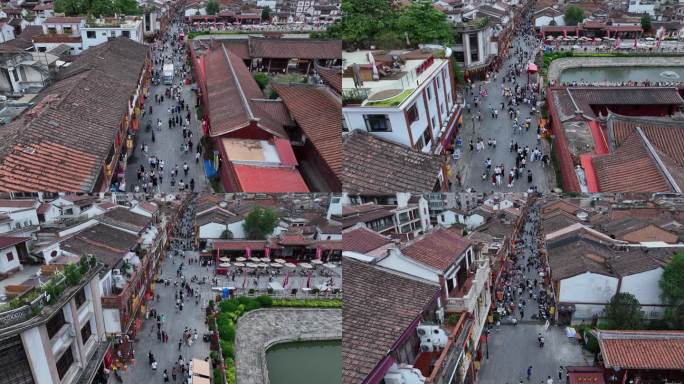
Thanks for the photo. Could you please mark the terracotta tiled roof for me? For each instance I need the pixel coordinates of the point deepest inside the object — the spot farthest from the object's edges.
(43, 7)
(240, 47)
(62, 142)
(574, 254)
(438, 249)
(375, 165)
(17, 203)
(148, 207)
(109, 245)
(363, 240)
(8, 241)
(379, 306)
(216, 216)
(656, 350)
(374, 212)
(231, 91)
(587, 96)
(332, 77)
(24, 40)
(631, 168)
(275, 109)
(264, 47)
(122, 217)
(664, 133)
(317, 111)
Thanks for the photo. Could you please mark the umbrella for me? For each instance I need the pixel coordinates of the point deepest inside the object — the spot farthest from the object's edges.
(262, 265)
(281, 261)
(576, 46)
(290, 265)
(305, 265)
(276, 265)
(241, 259)
(251, 265)
(265, 259)
(238, 264)
(317, 262)
(649, 39)
(606, 38)
(224, 259)
(224, 265)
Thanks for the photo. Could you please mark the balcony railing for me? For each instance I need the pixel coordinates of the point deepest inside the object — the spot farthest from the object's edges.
(466, 299)
(450, 356)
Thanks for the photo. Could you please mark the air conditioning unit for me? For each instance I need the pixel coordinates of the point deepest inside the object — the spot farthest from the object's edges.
(432, 334)
(427, 347)
(116, 272)
(404, 375)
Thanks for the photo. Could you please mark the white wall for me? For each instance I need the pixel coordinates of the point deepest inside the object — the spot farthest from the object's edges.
(5, 265)
(447, 218)
(33, 345)
(239, 232)
(211, 231)
(403, 264)
(137, 209)
(644, 286)
(588, 288)
(111, 320)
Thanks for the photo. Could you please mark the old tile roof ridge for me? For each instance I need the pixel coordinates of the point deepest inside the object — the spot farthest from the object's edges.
(659, 162)
(245, 102)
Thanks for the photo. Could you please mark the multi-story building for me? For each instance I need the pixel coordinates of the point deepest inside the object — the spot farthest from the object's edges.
(101, 30)
(406, 97)
(51, 338)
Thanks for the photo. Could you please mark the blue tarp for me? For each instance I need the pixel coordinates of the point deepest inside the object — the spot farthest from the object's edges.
(209, 169)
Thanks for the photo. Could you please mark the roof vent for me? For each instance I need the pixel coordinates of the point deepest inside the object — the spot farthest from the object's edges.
(582, 216)
(223, 204)
(28, 150)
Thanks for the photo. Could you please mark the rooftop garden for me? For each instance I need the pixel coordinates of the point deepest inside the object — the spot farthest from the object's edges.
(223, 315)
(34, 300)
(393, 101)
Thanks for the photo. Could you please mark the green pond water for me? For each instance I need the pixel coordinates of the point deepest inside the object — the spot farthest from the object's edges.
(619, 74)
(306, 362)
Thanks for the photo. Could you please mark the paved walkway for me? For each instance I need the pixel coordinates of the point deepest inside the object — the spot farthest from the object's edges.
(175, 321)
(260, 329)
(167, 141)
(471, 165)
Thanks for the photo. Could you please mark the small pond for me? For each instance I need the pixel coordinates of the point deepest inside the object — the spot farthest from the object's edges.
(619, 74)
(305, 362)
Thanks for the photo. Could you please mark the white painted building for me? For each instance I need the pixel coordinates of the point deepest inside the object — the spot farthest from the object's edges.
(102, 30)
(11, 248)
(6, 32)
(410, 101)
(638, 7)
(21, 213)
(450, 217)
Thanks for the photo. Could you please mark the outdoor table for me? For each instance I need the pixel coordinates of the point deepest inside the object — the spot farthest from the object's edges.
(290, 265)
(224, 265)
(225, 259)
(240, 259)
(265, 259)
(238, 264)
(281, 261)
(251, 265)
(316, 261)
(305, 265)
(276, 265)
(262, 265)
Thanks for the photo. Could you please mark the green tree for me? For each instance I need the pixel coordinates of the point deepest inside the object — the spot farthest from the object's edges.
(624, 312)
(389, 40)
(672, 283)
(260, 223)
(424, 24)
(69, 7)
(458, 74)
(573, 15)
(261, 79)
(646, 22)
(362, 21)
(266, 14)
(212, 7)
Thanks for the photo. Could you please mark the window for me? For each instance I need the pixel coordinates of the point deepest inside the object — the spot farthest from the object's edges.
(86, 332)
(429, 89)
(42, 49)
(90, 34)
(426, 137)
(412, 113)
(67, 30)
(474, 54)
(126, 34)
(104, 33)
(65, 362)
(80, 298)
(55, 324)
(52, 30)
(438, 81)
(10, 256)
(16, 76)
(377, 123)
(434, 122)
(344, 126)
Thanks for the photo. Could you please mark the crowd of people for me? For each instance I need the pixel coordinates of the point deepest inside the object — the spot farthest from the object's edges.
(170, 99)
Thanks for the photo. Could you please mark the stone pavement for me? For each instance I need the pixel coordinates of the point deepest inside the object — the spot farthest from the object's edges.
(470, 167)
(192, 317)
(513, 348)
(258, 330)
(167, 141)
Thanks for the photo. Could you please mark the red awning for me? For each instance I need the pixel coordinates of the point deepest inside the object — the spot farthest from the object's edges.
(585, 378)
(532, 68)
